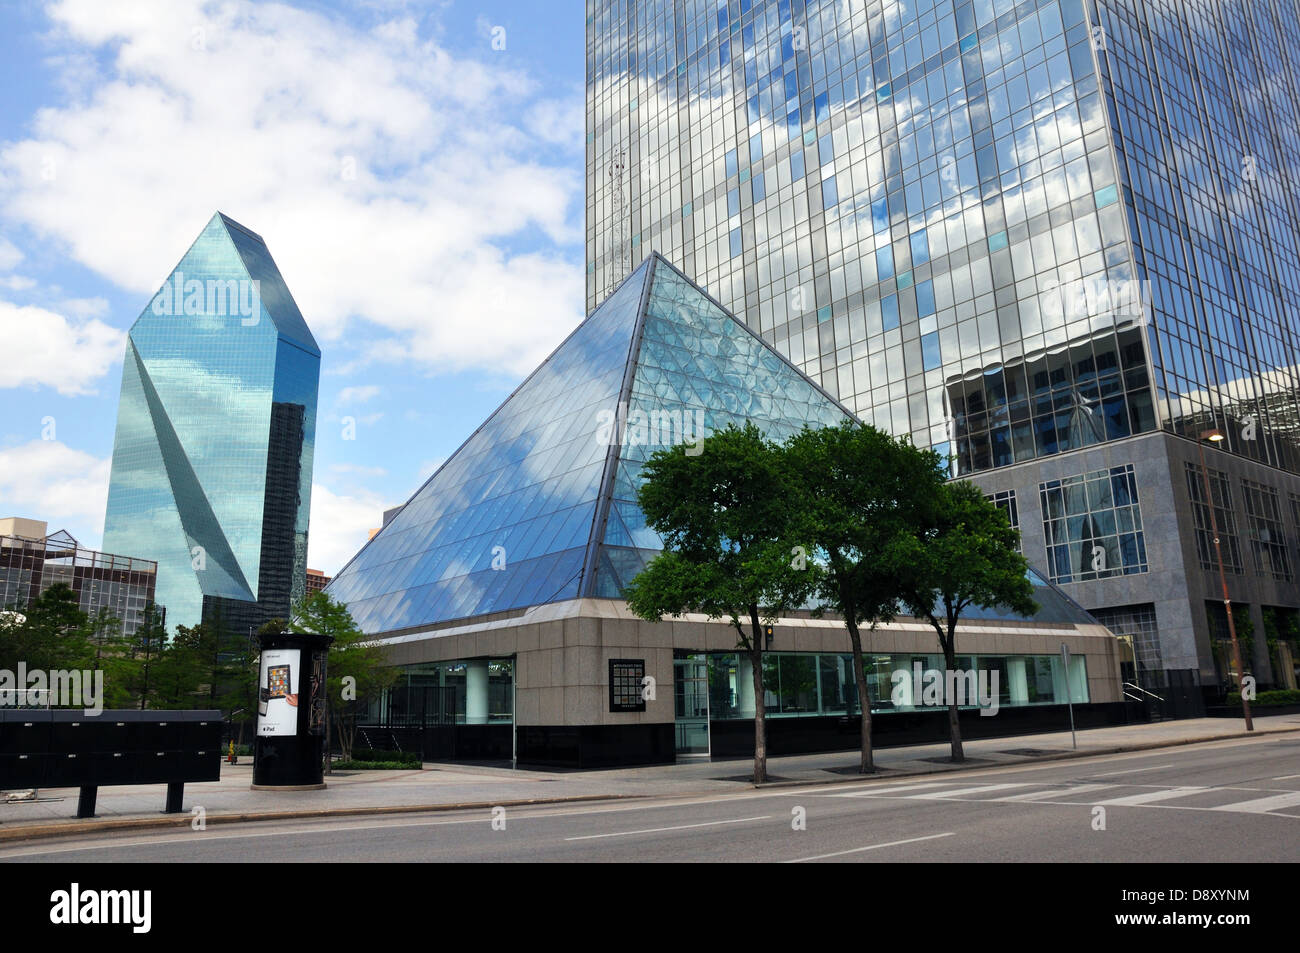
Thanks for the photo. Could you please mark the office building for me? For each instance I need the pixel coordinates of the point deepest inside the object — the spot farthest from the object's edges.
(497, 586)
(316, 581)
(32, 560)
(212, 458)
(1055, 240)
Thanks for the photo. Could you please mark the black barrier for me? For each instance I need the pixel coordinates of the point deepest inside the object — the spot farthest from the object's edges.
(69, 748)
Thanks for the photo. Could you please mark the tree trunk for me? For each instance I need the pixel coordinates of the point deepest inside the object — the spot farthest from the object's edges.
(329, 761)
(950, 659)
(760, 715)
(867, 765)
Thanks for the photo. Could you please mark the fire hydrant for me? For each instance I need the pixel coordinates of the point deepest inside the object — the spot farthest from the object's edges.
(232, 758)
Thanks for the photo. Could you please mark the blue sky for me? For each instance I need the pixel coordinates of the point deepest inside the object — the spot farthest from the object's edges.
(420, 190)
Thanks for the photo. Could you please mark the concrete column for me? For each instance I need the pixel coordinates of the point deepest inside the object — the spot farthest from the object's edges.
(745, 687)
(1019, 683)
(476, 692)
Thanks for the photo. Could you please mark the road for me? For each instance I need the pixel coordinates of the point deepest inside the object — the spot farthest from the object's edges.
(1235, 800)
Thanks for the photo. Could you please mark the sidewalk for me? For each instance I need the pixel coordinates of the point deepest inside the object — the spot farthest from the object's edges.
(446, 786)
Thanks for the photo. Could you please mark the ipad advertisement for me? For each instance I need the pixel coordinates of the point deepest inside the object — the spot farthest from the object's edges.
(277, 696)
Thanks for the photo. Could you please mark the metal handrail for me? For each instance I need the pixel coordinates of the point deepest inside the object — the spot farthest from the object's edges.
(1139, 688)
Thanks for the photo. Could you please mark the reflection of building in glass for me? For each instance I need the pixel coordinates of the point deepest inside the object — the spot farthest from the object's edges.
(497, 587)
(31, 561)
(1094, 526)
(1013, 231)
(213, 454)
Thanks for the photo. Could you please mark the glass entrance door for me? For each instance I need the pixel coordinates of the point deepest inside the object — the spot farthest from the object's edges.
(691, 705)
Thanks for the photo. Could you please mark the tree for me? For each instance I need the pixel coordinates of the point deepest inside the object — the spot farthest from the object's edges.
(861, 493)
(357, 669)
(182, 673)
(729, 548)
(144, 647)
(965, 557)
(54, 634)
(113, 656)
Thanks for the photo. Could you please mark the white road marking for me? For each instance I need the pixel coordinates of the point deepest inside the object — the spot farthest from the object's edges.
(1052, 792)
(868, 792)
(1287, 777)
(858, 850)
(945, 795)
(1148, 796)
(679, 827)
(1115, 774)
(1261, 805)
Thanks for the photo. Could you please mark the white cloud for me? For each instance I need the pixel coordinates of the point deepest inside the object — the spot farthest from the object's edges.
(48, 480)
(340, 525)
(380, 168)
(358, 395)
(66, 355)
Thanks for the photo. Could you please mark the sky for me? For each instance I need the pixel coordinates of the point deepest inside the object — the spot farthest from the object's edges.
(416, 169)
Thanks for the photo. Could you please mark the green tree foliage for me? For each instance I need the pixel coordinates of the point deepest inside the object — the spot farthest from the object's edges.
(51, 633)
(144, 647)
(358, 670)
(730, 545)
(861, 494)
(183, 672)
(965, 556)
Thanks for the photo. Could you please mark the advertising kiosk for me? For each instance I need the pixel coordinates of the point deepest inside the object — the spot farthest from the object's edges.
(291, 711)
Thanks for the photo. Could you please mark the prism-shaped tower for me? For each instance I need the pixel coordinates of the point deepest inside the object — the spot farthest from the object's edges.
(216, 426)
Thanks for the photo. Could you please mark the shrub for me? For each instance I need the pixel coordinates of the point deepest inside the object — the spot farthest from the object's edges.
(1281, 696)
(378, 754)
(374, 765)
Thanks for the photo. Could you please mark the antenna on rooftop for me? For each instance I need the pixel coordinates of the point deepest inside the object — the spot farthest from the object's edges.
(618, 251)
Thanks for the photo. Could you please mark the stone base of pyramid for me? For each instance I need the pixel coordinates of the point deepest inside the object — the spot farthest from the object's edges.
(577, 663)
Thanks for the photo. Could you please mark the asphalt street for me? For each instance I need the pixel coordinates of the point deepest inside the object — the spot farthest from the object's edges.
(1235, 800)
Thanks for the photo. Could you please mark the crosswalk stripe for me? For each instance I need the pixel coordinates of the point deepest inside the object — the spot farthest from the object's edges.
(976, 790)
(1053, 792)
(872, 791)
(1148, 797)
(1262, 805)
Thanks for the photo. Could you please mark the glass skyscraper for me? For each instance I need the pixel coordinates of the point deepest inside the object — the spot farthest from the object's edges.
(1055, 240)
(212, 459)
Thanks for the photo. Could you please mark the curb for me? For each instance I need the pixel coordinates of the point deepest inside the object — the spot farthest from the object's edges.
(61, 829)
(39, 831)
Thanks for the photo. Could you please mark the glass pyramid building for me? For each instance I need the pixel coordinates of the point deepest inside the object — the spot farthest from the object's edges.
(538, 505)
(212, 459)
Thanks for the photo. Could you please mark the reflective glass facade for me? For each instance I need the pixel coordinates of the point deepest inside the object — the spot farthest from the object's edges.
(1006, 229)
(1204, 105)
(538, 505)
(212, 460)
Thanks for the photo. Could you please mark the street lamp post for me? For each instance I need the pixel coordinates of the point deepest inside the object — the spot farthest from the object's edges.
(1214, 436)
